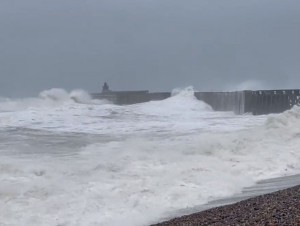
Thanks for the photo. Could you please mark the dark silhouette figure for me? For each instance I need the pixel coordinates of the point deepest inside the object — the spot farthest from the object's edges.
(105, 88)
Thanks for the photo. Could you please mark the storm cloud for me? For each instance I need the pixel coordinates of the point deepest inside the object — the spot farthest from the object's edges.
(148, 44)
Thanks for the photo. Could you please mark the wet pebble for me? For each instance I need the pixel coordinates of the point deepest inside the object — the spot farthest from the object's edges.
(278, 208)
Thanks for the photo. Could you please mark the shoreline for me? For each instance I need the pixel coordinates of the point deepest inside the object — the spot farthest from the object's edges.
(277, 208)
(270, 202)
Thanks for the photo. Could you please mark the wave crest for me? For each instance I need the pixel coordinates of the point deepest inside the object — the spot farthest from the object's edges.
(47, 99)
(182, 103)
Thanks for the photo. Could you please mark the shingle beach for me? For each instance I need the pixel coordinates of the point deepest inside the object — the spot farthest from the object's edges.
(278, 208)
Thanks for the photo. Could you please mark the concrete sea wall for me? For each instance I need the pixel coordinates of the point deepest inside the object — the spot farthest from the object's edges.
(224, 101)
(255, 102)
(270, 101)
(124, 97)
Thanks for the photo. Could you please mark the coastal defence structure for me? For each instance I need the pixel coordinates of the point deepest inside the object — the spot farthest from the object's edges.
(256, 102)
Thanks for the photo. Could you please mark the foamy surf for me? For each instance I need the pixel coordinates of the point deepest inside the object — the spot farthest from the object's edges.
(181, 103)
(48, 99)
(91, 164)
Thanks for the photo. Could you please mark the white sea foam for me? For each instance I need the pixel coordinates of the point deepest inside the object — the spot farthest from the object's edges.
(155, 157)
(182, 103)
(48, 99)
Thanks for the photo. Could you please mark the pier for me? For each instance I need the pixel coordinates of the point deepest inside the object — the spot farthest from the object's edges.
(257, 102)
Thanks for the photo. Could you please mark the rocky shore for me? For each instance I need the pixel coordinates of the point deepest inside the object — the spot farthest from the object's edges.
(278, 208)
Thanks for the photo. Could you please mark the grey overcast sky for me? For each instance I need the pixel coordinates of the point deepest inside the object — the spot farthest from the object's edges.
(148, 44)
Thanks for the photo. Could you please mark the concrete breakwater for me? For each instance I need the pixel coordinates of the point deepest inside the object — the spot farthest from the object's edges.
(247, 101)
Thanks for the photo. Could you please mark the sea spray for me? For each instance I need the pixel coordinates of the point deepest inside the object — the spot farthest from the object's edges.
(182, 103)
(67, 163)
(49, 99)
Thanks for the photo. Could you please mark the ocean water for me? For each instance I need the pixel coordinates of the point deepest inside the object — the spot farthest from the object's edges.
(68, 160)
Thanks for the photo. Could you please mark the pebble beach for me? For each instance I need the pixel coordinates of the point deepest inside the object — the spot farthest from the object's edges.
(277, 208)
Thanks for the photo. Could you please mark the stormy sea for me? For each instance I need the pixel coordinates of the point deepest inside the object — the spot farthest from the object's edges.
(66, 159)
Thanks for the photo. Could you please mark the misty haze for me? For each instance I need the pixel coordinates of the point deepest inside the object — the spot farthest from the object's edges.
(142, 44)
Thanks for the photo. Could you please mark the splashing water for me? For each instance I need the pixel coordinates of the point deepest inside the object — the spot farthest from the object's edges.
(66, 160)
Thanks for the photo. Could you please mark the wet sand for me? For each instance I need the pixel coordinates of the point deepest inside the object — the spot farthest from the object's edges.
(276, 208)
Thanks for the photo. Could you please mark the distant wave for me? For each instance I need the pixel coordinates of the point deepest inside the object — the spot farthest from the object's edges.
(182, 103)
(48, 98)
(61, 95)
